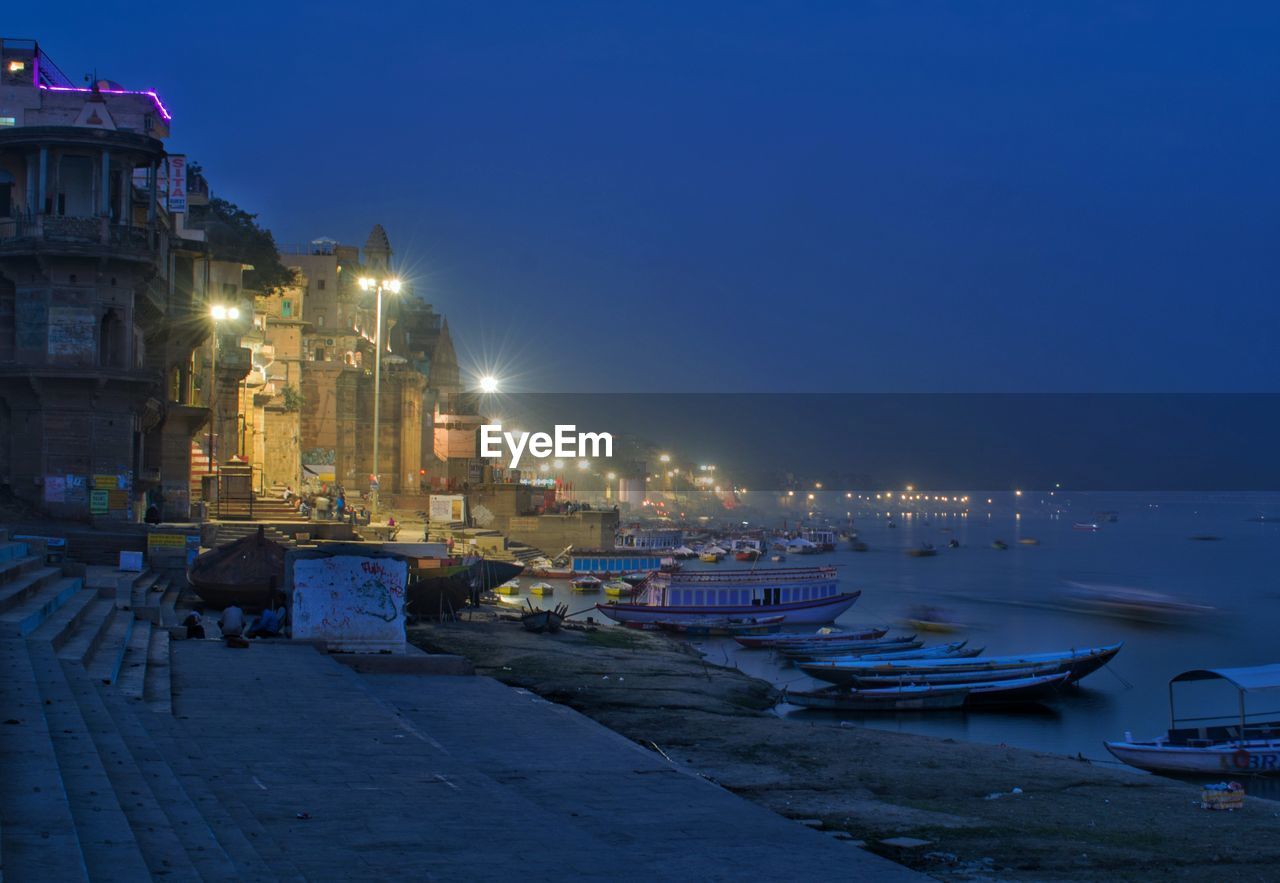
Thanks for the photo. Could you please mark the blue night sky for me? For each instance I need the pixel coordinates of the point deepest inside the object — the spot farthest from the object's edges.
(742, 196)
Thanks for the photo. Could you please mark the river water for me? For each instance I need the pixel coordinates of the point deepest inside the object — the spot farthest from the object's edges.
(1009, 602)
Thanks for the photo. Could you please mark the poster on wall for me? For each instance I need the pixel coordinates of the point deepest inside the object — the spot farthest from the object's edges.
(448, 508)
(98, 502)
(55, 489)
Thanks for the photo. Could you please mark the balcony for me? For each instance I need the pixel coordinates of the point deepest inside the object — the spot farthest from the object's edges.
(59, 234)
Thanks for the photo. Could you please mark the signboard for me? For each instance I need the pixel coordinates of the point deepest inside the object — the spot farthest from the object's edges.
(448, 508)
(104, 482)
(177, 183)
(98, 502)
(350, 602)
(55, 489)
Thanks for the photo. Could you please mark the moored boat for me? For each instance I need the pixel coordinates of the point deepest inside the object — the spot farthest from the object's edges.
(585, 584)
(826, 634)
(247, 572)
(801, 595)
(924, 550)
(541, 589)
(512, 587)
(1075, 663)
(922, 697)
(723, 626)
(538, 620)
(1236, 743)
(999, 545)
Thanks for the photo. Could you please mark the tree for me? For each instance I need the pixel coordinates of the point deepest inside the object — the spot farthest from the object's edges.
(233, 234)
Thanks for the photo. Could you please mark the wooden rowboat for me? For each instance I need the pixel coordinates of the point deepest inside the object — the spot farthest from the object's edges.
(246, 572)
(825, 635)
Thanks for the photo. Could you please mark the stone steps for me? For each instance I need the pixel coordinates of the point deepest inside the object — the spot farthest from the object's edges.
(157, 689)
(188, 824)
(99, 781)
(104, 665)
(137, 653)
(33, 598)
(38, 839)
(107, 841)
(160, 846)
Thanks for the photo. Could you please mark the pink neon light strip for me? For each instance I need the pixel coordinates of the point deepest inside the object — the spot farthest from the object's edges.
(148, 92)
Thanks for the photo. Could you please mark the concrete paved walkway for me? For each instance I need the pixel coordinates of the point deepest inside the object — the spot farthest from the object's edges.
(458, 778)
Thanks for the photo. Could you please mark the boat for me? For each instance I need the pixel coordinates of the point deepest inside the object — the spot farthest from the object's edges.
(1233, 743)
(541, 589)
(248, 572)
(1084, 525)
(1001, 545)
(512, 587)
(722, 626)
(538, 620)
(618, 589)
(801, 595)
(1076, 663)
(961, 677)
(848, 652)
(683, 552)
(927, 697)
(953, 543)
(891, 524)
(930, 619)
(859, 546)
(925, 550)
(777, 557)
(586, 584)
(1028, 541)
(746, 554)
(611, 563)
(825, 540)
(954, 650)
(1126, 602)
(801, 546)
(709, 558)
(826, 634)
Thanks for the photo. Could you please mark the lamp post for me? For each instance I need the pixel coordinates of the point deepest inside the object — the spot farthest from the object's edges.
(219, 313)
(393, 286)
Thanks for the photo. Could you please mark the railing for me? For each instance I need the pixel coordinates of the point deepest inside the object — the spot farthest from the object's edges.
(772, 576)
(67, 230)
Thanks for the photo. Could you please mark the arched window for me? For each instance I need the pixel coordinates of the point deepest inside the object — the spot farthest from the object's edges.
(111, 340)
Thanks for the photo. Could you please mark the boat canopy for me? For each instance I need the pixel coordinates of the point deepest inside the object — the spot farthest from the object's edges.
(1247, 680)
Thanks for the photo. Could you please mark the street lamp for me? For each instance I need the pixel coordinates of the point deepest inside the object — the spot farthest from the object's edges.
(219, 313)
(488, 384)
(392, 285)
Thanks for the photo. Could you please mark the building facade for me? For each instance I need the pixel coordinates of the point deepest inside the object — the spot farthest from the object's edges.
(101, 304)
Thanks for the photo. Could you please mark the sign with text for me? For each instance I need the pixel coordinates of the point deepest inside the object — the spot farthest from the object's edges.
(448, 508)
(177, 183)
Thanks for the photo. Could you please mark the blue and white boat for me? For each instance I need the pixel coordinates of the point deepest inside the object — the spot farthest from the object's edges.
(809, 595)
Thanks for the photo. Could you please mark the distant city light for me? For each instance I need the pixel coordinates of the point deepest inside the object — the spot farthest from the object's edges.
(584, 464)
(558, 464)
(611, 476)
(1017, 493)
(665, 458)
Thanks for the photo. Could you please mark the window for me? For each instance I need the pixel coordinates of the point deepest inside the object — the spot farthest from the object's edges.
(8, 121)
(319, 354)
(320, 284)
(320, 320)
(229, 287)
(286, 309)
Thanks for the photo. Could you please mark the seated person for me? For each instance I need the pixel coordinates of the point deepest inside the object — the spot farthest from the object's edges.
(232, 621)
(267, 625)
(195, 628)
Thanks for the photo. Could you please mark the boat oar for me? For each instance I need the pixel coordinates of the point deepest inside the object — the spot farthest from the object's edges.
(576, 612)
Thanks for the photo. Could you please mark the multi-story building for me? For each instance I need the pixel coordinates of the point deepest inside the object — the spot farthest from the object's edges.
(419, 368)
(101, 297)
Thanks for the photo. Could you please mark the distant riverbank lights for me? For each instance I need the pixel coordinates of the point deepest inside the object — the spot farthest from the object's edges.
(565, 442)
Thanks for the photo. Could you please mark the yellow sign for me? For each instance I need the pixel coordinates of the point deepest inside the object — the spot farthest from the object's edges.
(167, 542)
(104, 482)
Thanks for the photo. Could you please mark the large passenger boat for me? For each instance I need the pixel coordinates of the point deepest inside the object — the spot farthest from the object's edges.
(801, 595)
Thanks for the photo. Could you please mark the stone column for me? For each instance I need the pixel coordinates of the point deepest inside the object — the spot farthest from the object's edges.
(104, 197)
(42, 182)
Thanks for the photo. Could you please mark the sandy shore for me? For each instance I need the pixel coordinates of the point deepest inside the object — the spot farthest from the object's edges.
(1072, 820)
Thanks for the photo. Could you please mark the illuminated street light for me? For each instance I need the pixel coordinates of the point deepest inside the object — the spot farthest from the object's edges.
(557, 464)
(1017, 493)
(584, 465)
(368, 283)
(488, 384)
(665, 458)
(611, 476)
(219, 313)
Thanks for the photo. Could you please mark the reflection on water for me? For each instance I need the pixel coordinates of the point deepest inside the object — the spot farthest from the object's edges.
(1011, 601)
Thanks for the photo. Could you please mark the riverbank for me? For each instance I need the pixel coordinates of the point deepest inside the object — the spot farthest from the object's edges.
(1071, 820)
